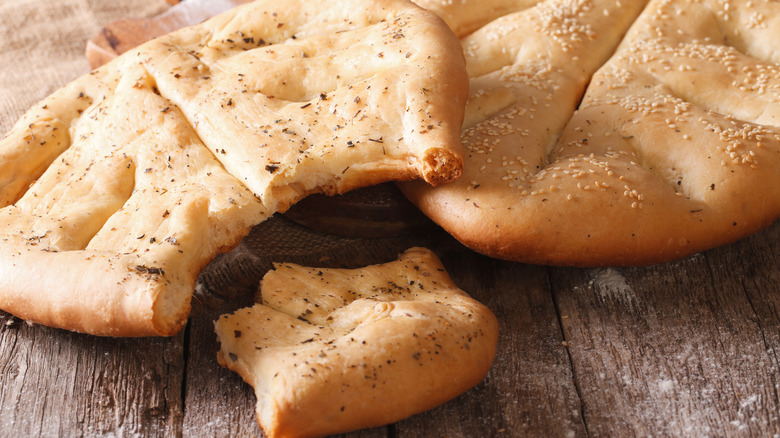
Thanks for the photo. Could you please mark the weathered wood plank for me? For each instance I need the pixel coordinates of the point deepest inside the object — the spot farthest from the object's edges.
(757, 273)
(686, 348)
(217, 402)
(57, 383)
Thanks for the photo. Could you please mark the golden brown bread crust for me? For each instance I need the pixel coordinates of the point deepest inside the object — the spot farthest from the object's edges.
(673, 150)
(128, 181)
(333, 350)
(373, 83)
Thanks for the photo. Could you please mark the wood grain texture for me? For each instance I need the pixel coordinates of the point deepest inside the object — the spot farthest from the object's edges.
(686, 348)
(679, 349)
(216, 401)
(529, 391)
(57, 383)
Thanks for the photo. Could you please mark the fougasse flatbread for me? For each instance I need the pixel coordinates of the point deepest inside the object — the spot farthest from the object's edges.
(119, 188)
(674, 149)
(333, 350)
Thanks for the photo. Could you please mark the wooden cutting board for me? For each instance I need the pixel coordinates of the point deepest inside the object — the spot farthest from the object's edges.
(378, 211)
(120, 36)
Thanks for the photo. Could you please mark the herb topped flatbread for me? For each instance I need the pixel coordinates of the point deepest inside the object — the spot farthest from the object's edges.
(673, 149)
(120, 187)
(333, 350)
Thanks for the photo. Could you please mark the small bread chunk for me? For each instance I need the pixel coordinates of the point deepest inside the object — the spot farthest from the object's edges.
(334, 350)
(120, 187)
(674, 148)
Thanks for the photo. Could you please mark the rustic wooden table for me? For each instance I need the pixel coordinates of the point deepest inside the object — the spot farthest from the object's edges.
(685, 348)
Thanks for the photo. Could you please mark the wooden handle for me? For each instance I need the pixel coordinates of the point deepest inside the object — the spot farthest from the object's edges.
(122, 35)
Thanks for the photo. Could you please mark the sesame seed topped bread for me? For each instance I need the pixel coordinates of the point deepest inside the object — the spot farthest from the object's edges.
(674, 148)
(120, 187)
(333, 350)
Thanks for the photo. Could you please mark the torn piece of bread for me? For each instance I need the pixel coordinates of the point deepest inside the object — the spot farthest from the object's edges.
(333, 350)
(331, 98)
(119, 188)
(674, 149)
